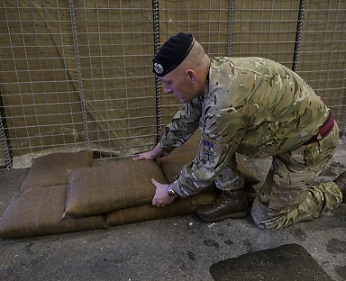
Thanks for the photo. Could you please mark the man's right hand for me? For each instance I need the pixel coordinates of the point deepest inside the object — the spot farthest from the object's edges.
(150, 155)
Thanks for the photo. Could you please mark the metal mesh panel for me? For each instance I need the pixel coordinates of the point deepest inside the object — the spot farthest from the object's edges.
(322, 59)
(77, 74)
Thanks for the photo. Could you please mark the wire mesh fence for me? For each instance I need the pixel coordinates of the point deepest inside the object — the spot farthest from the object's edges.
(78, 75)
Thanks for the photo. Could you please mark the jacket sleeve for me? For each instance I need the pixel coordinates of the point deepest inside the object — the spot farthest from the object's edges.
(182, 126)
(223, 131)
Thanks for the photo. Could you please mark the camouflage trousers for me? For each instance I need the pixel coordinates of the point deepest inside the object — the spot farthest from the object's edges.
(289, 194)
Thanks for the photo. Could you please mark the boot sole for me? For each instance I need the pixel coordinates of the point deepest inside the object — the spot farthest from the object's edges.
(229, 216)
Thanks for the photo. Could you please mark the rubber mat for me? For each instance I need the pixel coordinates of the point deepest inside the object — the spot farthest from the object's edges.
(288, 262)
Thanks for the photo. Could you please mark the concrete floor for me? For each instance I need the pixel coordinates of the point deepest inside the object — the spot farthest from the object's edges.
(177, 248)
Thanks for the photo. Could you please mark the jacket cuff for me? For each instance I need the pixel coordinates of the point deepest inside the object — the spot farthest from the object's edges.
(178, 190)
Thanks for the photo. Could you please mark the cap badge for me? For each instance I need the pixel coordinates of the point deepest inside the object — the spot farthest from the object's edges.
(158, 68)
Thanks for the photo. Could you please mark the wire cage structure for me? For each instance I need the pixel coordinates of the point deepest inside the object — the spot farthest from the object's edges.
(78, 75)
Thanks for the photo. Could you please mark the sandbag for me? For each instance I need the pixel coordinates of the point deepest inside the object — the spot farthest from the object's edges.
(38, 211)
(179, 207)
(190, 146)
(172, 164)
(54, 169)
(110, 187)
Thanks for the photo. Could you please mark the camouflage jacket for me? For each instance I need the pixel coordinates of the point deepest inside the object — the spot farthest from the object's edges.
(253, 106)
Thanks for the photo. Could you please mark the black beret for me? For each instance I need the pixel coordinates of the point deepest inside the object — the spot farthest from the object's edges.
(172, 53)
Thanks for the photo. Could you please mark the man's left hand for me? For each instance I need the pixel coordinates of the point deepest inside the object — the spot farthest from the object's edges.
(161, 197)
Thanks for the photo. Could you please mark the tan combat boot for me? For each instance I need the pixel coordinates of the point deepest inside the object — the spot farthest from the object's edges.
(230, 204)
(341, 182)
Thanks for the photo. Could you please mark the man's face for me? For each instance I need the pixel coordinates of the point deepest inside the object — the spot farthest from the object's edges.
(178, 84)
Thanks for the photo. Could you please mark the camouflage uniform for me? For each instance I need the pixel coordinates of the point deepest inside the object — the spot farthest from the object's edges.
(258, 108)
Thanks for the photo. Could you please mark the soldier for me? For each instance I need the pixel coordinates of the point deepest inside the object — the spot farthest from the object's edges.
(256, 107)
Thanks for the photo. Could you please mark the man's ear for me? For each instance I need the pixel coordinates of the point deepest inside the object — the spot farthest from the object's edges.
(192, 75)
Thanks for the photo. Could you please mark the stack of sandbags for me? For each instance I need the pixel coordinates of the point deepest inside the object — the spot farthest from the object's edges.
(63, 192)
(40, 204)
